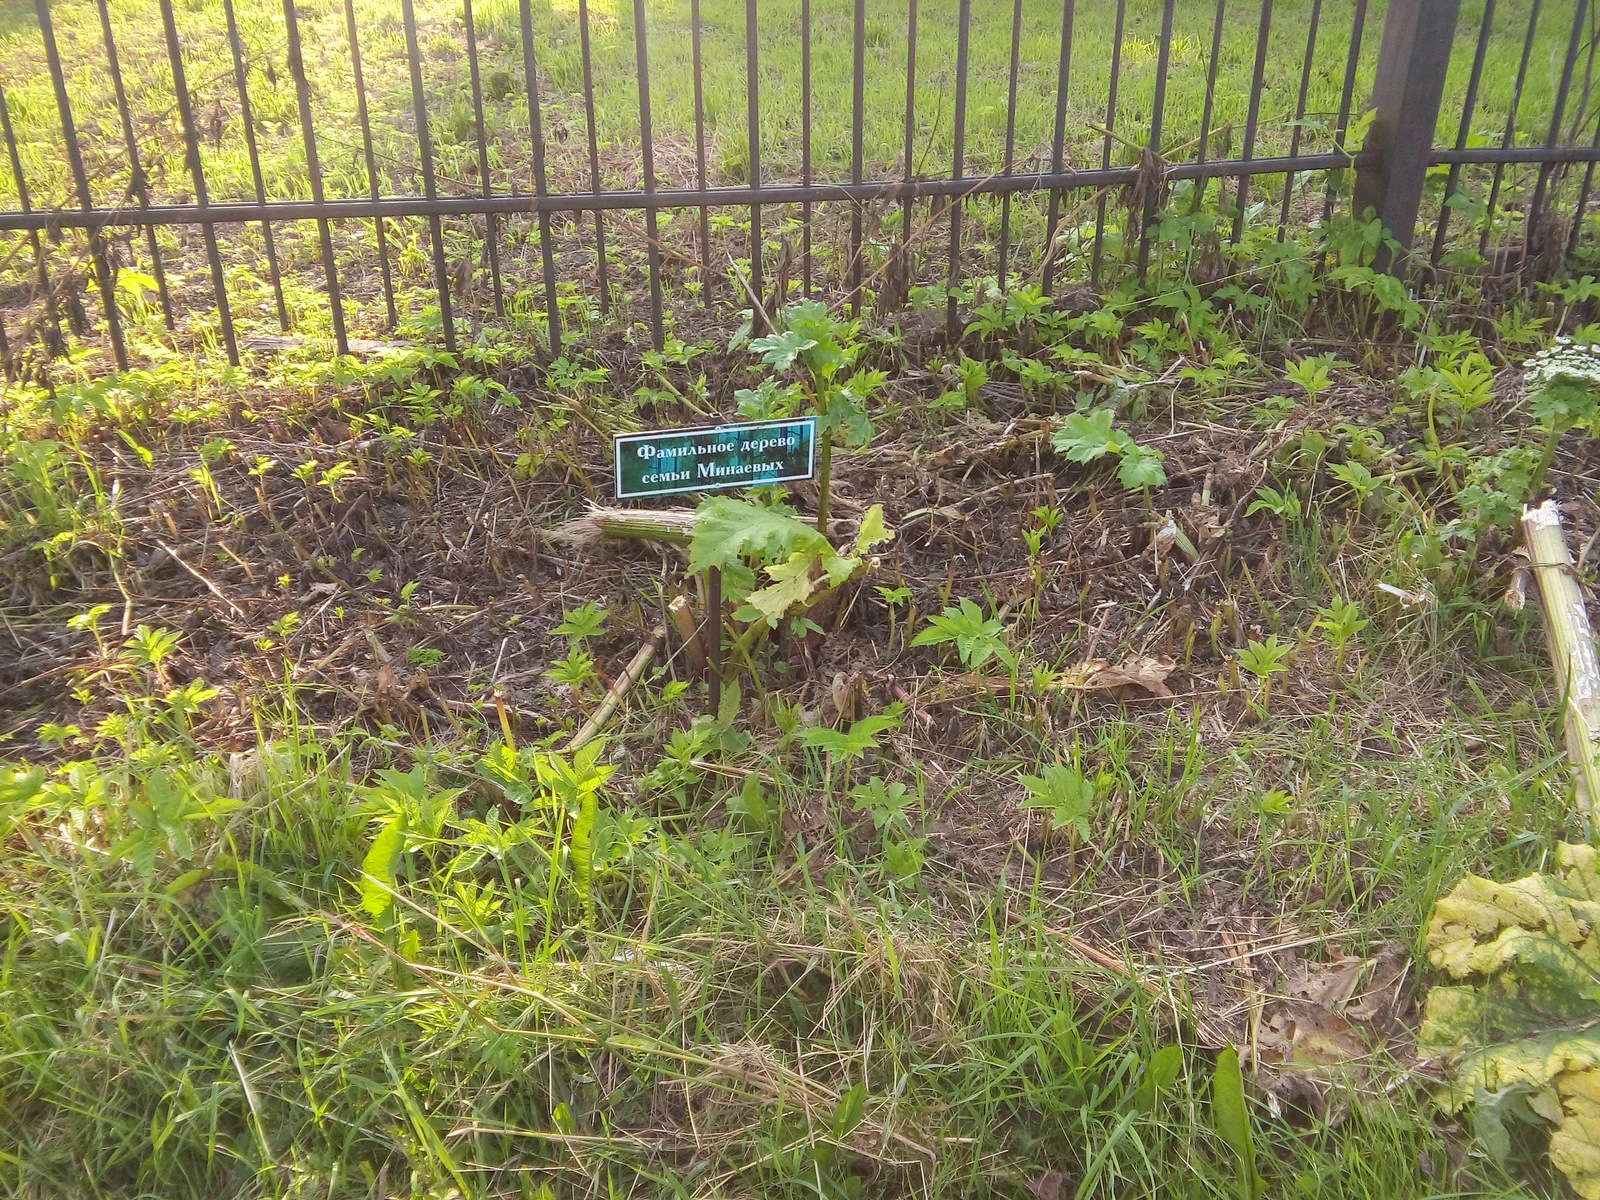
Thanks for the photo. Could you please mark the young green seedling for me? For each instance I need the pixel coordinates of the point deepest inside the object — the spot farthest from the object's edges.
(1312, 375)
(1355, 476)
(846, 746)
(893, 598)
(575, 670)
(90, 619)
(1045, 518)
(1086, 437)
(826, 351)
(1066, 798)
(150, 648)
(1285, 504)
(885, 803)
(1264, 659)
(581, 623)
(976, 638)
(1340, 622)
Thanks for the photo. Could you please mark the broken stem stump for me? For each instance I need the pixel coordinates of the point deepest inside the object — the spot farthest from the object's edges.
(1571, 640)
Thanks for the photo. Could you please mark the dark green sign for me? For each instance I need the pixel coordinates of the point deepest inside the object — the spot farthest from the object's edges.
(664, 462)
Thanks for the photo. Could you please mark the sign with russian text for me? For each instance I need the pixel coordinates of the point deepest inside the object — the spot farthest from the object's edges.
(665, 462)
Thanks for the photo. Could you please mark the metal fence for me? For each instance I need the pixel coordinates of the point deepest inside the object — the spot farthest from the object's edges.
(341, 149)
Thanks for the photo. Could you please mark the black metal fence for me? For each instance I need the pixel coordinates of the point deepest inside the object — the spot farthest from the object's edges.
(1036, 141)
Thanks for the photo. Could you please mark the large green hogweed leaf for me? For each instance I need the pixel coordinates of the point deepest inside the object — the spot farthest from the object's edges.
(1524, 1025)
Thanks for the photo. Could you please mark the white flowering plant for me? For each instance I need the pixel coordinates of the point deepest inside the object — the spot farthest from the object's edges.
(1564, 385)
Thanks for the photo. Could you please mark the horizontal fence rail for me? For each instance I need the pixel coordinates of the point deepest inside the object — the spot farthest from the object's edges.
(337, 168)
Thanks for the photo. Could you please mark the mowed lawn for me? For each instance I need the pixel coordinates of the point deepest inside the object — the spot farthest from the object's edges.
(210, 74)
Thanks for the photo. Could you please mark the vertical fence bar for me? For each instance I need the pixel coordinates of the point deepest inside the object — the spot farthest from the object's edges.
(1158, 108)
(371, 161)
(805, 145)
(647, 147)
(1508, 139)
(1299, 118)
(1531, 229)
(541, 188)
(1058, 147)
(1341, 124)
(25, 203)
(952, 321)
(752, 99)
(858, 39)
(491, 220)
(1583, 195)
(1588, 172)
(594, 155)
(1207, 107)
(1252, 116)
(419, 110)
(1581, 109)
(1011, 139)
(908, 207)
(191, 146)
(1463, 131)
(699, 146)
(308, 137)
(1105, 152)
(139, 182)
(1406, 93)
(105, 277)
(247, 118)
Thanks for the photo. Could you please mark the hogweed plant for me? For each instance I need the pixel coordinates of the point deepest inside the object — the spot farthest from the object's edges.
(1313, 376)
(1264, 659)
(894, 598)
(825, 351)
(1041, 522)
(977, 638)
(1562, 381)
(845, 746)
(1066, 797)
(89, 620)
(1087, 437)
(150, 648)
(1341, 622)
(580, 624)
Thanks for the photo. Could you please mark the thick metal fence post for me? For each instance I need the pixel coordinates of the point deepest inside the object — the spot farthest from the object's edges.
(1413, 58)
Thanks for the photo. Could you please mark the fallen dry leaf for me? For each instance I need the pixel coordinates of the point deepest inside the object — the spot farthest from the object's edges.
(1329, 985)
(849, 694)
(1139, 673)
(1324, 1038)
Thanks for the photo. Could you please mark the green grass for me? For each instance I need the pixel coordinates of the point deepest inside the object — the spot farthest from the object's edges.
(232, 1021)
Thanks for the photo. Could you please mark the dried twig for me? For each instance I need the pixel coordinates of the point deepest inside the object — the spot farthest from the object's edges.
(209, 586)
(619, 690)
